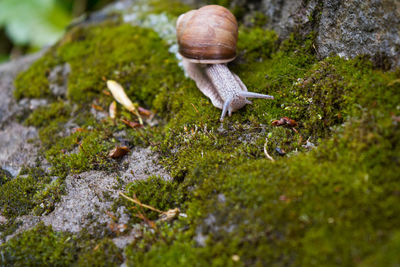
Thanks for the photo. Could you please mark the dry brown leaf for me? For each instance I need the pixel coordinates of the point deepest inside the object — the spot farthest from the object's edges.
(144, 112)
(132, 124)
(81, 130)
(106, 92)
(285, 121)
(97, 107)
(118, 152)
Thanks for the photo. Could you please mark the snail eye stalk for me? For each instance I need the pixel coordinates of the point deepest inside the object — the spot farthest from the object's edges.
(254, 95)
(225, 109)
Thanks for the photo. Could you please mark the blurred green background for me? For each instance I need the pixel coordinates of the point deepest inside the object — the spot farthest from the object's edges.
(28, 25)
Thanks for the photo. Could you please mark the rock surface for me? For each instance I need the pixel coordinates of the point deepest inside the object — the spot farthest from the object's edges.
(15, 151)
(91, 194)
(345, 28)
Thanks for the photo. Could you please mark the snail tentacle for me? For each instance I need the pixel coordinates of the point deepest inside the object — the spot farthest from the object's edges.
(225, 109)
(255, 95)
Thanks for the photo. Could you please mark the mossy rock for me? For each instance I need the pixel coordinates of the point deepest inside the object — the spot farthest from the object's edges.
(330, 199)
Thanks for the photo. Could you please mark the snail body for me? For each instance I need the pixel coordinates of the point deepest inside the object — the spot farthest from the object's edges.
(207, 41)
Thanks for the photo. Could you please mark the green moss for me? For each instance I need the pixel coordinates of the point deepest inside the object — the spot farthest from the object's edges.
(17, 195)
(173, 8)
(81, 151)
(156, 192)
(9, 228)
(300, 210)
(257, 44)
(119, 60)
(387, 255)
(31, 190)
(48, 197)
(57, 111)
(5, 176)
(105, 253)
(33, 83)
(181, 254)
(40, 246)
(118, 52)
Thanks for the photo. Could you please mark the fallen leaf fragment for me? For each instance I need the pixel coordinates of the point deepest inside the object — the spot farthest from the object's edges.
(97, 107)
(132, 124)
(117, 228)
(112, 110)
(144, 112)
(285, 121)
(106, 92)
(118, 152)
(169, 215)
(80, 130)
(119, 94)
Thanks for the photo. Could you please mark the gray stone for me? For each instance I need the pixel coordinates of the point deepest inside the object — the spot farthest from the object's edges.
(350, 28)
(343, 27)
(8, 71)
(15, 149)
(90, 194)
(58, 79)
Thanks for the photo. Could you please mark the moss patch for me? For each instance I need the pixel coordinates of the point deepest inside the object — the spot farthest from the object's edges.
(33, 83)
(17, 195)
(104, 253)
(42, 246)
(302, 209)
(155, 192)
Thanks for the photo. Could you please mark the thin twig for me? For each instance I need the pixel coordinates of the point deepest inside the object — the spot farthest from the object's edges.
(266, 152)
(194, 107)
(136, 201)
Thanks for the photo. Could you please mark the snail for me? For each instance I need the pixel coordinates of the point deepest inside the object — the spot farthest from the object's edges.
(207, 41)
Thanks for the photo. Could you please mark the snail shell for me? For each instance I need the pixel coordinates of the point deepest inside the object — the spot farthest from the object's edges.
(208, 35)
